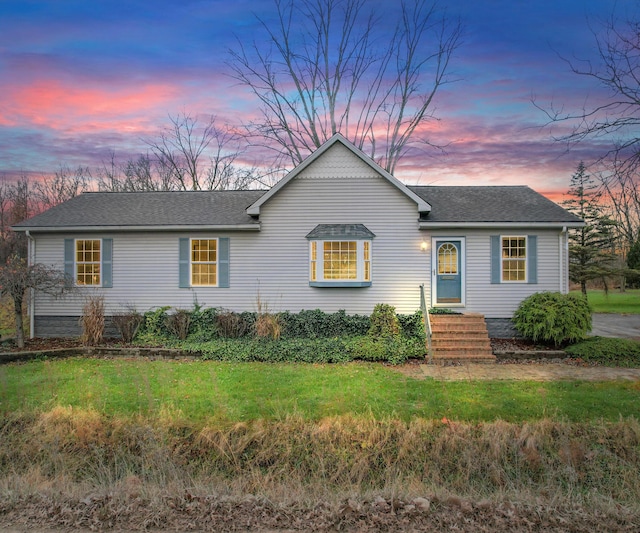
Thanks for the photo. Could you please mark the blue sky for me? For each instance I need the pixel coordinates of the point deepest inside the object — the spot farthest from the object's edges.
(82, 79)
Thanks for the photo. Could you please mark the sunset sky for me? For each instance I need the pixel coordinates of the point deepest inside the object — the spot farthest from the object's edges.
(81, 79)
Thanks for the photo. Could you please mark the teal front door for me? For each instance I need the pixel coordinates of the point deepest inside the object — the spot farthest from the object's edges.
(448, 271)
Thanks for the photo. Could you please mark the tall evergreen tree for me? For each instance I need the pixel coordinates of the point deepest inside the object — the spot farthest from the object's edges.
(633, 264)
(591, 247)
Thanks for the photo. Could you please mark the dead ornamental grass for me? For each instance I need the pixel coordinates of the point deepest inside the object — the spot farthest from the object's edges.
(327, 459)
(77, 468)
(92, 321)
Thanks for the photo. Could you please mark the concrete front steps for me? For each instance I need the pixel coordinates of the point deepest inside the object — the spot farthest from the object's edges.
(460, 338)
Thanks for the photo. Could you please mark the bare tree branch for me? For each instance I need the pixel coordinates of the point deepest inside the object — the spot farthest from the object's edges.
(17, 277)
(62, 186)
(618, 73)
(335, 70)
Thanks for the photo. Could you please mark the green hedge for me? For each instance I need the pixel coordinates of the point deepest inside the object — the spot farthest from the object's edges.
(314, 324)
(607, 351)
(309, 336)
(215, 323)
(395, 350)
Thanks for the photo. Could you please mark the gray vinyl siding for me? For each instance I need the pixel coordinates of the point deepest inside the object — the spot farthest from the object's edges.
(501, 300)
(273, 264)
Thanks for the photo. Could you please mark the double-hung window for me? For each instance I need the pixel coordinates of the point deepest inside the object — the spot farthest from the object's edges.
(514, 258)
(88, 262)
(340, 255)
(204, 262)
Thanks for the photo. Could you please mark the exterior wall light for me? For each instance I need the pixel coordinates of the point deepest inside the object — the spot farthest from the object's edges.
(424, 246)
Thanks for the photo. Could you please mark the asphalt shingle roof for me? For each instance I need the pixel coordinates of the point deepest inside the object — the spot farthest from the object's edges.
(490, 204)
(131, 209)
(337, 231)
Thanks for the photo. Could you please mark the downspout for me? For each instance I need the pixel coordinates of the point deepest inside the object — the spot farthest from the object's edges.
(31, 253)
(564, 260)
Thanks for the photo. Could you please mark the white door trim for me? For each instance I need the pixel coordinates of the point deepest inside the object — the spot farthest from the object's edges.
(434, 266)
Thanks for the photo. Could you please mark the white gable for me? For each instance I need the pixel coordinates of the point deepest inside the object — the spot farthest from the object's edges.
(340, 159)
(338, 162)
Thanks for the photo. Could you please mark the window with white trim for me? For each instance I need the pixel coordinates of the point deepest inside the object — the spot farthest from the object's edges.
(204, 262)
(340, 255)
(340, 263)
(88, 261)
(514, 258)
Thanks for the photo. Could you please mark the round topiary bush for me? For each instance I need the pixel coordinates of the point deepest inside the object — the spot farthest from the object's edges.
(553, 318)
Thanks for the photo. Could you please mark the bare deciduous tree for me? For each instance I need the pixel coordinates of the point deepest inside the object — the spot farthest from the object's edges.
(17, 277)
(621, 187)
(63, 185)
(195, 156)
(134, 175)
(330, 68)
(614, 122)
(617, 71)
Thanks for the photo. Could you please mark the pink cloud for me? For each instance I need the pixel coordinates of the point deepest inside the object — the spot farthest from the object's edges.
(59, 106)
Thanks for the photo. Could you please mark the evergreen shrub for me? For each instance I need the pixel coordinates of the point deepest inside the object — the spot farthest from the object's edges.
(553, 318)
(154, 326)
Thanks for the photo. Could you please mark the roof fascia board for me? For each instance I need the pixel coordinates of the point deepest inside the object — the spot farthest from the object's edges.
(90, 229)
(519, 225)
(254, 209)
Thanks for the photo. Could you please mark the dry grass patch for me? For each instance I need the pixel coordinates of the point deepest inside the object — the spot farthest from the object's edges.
(69, 467)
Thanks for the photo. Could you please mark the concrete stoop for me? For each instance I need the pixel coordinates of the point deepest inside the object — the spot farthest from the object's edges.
(460, 338)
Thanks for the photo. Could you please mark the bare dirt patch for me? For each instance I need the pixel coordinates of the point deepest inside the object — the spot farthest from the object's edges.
(189, 512)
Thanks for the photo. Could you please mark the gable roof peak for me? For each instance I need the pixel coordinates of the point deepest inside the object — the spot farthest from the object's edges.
(422, 204)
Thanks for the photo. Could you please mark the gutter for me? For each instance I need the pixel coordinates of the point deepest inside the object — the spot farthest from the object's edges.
(62, 229)
(31, 254)
(445, 225)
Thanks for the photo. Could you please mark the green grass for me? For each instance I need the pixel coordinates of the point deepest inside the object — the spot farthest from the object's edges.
(228, 392)
(615, 301)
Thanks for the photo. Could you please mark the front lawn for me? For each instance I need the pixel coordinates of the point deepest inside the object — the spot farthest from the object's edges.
(615, 301)
(201, 391)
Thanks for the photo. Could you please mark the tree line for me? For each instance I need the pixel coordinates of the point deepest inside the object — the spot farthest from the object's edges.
(605, 190)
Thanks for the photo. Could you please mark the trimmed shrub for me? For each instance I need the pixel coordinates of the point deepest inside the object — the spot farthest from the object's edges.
(178, 323)
(309, 336)
(412, 325)
(154, 327)
(312, 324)
(127, 322)
(384, 321)
(553, 318)
(203, 323)
(607, 351)
(232, 325)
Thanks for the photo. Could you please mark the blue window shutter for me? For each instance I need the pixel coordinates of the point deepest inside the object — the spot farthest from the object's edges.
(184, 273)
(532, 258)
(107, 263)
(495, 258)
(69, 252)
(223, 262)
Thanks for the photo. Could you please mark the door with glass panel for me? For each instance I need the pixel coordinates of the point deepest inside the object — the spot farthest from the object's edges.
(448, 272)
